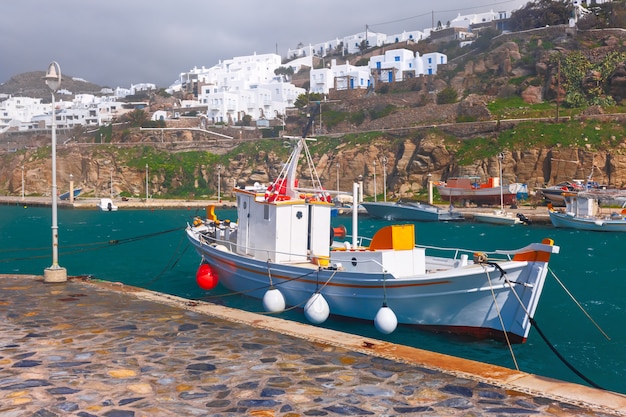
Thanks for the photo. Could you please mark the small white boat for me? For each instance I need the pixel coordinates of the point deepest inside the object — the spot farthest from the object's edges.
(583, 212)
(411, 210)
(106, 204)
(500, 216)
(283, 251)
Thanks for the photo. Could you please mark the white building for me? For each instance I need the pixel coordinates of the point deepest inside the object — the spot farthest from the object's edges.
(394, 65)
(25, 113)
(242, 86)
(432, 61)
(339, 77)
(15, 111)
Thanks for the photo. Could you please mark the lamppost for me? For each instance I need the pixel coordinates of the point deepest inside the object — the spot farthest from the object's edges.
(375, 198)
(430, 188)
(219, 180)
(384, 161)
(54, 273)
(22, 182)
(337, 176)
(146, 183)
(71, 189)
(360, 181)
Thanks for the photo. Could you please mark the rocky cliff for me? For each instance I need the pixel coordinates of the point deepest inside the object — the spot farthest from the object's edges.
(411, 163)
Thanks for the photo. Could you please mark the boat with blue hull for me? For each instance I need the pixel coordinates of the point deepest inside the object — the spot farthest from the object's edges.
(282, 250)
(582, 211)
(66, 196)
(411, 210)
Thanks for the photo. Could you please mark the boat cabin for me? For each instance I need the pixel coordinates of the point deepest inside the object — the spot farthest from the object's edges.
(290, 230)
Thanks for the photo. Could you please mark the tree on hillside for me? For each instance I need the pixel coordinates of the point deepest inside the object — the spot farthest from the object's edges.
(541, 13)
(605, 15)
(303, 100)
(288, 71)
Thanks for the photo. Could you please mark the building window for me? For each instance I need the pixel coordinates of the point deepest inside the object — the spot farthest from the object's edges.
(397, 59)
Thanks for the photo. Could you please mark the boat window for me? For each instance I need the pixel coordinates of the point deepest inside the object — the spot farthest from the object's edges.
(266, 212)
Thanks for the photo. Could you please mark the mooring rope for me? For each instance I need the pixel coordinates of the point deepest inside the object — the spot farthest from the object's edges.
(578, 304)
(85, 247)
(534, 323)
(493, 295)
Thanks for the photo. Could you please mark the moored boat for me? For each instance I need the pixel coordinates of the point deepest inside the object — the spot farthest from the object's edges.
(66, 196)
(582, 211)
(282, 250)
(469, 190)
(411, 210)
(106, 204)
(501, 216)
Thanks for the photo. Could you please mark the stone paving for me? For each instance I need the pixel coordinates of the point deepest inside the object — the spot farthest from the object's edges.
(96, 349)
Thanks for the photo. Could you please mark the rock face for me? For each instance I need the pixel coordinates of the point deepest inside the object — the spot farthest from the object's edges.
(411, 163)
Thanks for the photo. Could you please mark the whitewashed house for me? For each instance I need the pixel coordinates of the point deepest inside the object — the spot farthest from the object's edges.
(339, 77)
(431, 61)
(352, 43)
(17, 112)
(243, 86)
(411, 36)
(395, 65)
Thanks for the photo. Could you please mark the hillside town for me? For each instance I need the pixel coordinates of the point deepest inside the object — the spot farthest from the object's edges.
(260, 86)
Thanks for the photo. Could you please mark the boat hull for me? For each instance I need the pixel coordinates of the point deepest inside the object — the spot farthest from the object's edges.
(479, 196)
(497, 218)
(459, 300)
(410, 211)
(565, 220)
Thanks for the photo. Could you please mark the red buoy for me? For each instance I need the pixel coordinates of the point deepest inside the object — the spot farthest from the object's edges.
(206, 278)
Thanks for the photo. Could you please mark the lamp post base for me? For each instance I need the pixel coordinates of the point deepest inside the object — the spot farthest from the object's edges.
(56, 274)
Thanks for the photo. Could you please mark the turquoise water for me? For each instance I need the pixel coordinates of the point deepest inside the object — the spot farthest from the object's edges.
(152, 252)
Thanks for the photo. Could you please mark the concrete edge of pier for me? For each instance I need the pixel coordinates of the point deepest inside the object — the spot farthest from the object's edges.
(509, 379)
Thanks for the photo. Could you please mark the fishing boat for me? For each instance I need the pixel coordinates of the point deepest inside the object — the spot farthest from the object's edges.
(411, 210)
(66, 196)
(501, 216)
(582, 211)
(469, 190)
(284, 250)
(106, 204)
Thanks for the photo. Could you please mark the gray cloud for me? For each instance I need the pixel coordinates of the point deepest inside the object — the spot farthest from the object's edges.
(119, 42)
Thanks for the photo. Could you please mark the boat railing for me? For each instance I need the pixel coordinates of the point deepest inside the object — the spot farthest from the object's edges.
(459, 251)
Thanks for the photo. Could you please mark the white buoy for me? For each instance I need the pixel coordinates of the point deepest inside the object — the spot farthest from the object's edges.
(385, 320)
(316, 309)
(273, 301)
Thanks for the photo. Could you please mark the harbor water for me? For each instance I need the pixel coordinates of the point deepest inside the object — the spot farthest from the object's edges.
(148, 249)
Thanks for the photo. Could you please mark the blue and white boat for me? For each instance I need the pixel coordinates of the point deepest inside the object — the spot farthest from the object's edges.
(582, 211)
(282, 250)
(66, 196)
(411, 210)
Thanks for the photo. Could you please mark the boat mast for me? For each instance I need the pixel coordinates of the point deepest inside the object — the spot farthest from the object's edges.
(500, 159)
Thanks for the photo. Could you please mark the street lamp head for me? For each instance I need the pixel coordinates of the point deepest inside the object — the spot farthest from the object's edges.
(53, 76)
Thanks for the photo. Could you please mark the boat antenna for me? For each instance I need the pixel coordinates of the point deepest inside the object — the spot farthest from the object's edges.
(500, 159)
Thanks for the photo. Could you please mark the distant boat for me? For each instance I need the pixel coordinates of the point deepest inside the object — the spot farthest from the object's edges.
(582, 212)
(500, 216)
(106, 204)
(467, 189)
(66, 196)
(411, 210)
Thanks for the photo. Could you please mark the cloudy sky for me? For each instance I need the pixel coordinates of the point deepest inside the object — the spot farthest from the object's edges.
(119, 42)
